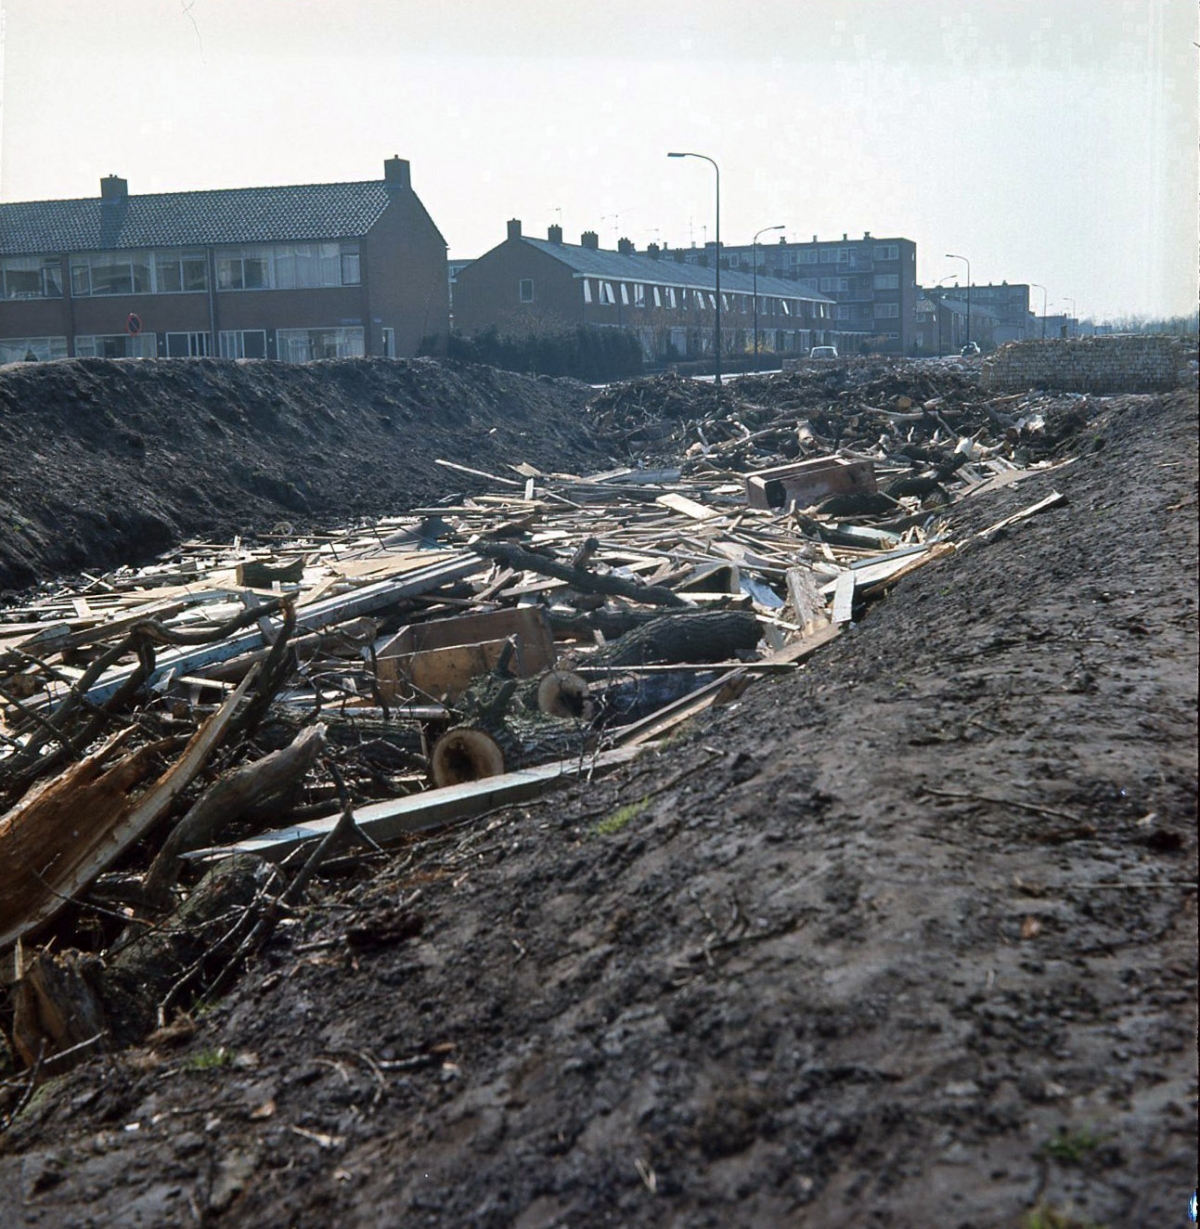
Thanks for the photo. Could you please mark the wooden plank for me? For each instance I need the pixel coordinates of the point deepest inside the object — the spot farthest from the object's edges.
(807, 601)
(1051, 501)
(435, 808)
(843, 597)
(479, 473)
(799, 649)
(687, 507)
(189, 658)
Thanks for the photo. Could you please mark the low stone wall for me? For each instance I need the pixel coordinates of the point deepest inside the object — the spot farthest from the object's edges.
(1139, 363)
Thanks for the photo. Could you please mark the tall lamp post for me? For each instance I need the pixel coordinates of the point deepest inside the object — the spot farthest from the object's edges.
(951, 256)
(717, 330)
(1043, 290)
(754, 251)
(1072, 318)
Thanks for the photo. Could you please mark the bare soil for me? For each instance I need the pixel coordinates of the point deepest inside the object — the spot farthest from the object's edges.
(906, 937)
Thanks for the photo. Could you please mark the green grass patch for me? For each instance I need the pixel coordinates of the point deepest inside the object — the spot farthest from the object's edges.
(208, 1060)
(1072, 1148)
(620, 818)
(1043, 1217)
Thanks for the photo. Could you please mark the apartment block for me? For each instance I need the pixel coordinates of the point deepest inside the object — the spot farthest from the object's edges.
(527, 285)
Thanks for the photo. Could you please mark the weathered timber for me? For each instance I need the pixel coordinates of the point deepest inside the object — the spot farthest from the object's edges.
(69, 829)
(589, 582)
(263, 787)
(695, 636)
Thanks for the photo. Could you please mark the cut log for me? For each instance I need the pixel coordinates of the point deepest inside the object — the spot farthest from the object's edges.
(697, 636)
(465, 753)
(561, 693)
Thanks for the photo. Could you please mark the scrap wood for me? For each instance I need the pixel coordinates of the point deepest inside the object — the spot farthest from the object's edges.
(68, 830)
(261, 785)
(1051, 501)
(383, 822)
(366, 600)
(589, 582)
(719, 691)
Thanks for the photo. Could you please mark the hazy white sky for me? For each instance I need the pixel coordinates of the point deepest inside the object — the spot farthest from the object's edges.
(1051, 141)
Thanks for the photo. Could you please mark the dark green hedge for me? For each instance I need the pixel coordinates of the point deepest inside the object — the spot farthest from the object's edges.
(590, 354)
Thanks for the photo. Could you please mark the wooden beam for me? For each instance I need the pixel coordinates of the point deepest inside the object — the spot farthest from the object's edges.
(389, 821)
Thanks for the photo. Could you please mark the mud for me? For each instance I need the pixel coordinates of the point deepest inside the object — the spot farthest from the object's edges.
(909, 935)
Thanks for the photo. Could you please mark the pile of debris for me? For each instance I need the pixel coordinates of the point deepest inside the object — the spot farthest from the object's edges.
(183, 746)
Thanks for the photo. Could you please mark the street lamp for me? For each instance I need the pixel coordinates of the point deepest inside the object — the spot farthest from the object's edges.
(1072, 318)
(951, 256)
(717, 330)
(1043, 290)
(754, 251)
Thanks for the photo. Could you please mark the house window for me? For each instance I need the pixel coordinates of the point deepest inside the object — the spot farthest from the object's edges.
(624, 295)
(111, 273)
(16, 349)
(389, 343)
(808, 256)
(116, 345)
(243, 343)
(351, 265)
(887, 251)
(657, 297)
(244, 269)
(787, 310)
(180, 272)
(842, 311)
(843, 255)
(587, 290)
(887, 311)
(308, 345)
(828, 256)
(607, 295)
(188, 345)
(639, 295)
(887, 281)
(671, 296)
(31, 277)
(525, 290)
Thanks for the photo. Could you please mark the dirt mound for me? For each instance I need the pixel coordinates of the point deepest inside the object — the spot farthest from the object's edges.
(911, 931)
(104, 462)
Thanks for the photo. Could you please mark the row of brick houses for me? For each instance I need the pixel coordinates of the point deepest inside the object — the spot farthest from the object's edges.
(349, 269)
(528, 285)
(294, 273)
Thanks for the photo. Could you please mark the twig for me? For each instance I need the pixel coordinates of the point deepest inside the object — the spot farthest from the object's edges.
(1049, 812)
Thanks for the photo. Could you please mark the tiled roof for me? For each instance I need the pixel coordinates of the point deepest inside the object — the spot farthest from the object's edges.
(305, 212)
(666, 271)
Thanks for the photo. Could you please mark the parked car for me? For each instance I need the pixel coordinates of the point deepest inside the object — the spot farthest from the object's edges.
(969, 349)
(823, 352)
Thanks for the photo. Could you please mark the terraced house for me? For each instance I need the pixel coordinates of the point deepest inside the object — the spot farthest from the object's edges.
(292, 273)
(528, 285)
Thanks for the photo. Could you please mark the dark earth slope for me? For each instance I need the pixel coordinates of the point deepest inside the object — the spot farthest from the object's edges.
(106, 462)
(907, 937)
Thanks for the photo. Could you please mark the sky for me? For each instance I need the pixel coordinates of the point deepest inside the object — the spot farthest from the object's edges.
(1048, 141)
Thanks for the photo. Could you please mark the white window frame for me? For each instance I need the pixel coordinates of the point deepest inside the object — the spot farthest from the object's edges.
(886, 281)
(196, 344)
(624, 295)
(525, 289)
(85, 266)
(14, 349)
(887, 311)
(657, 297)
(232, 343)
(298, 345)
(887, 251)
(587, 290)
(608, 296)
(639, 294)
(47, 271)
(180, 259)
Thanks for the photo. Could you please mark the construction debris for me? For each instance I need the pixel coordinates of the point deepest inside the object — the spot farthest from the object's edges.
(411, 672)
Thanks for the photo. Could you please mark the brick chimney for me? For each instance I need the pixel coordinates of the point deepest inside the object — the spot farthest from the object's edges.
(625, 247)
(396, 172)
(114, 190)
(679, 255)
(514, 228)
(554, 234)
(589, 239)
(652, 250)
